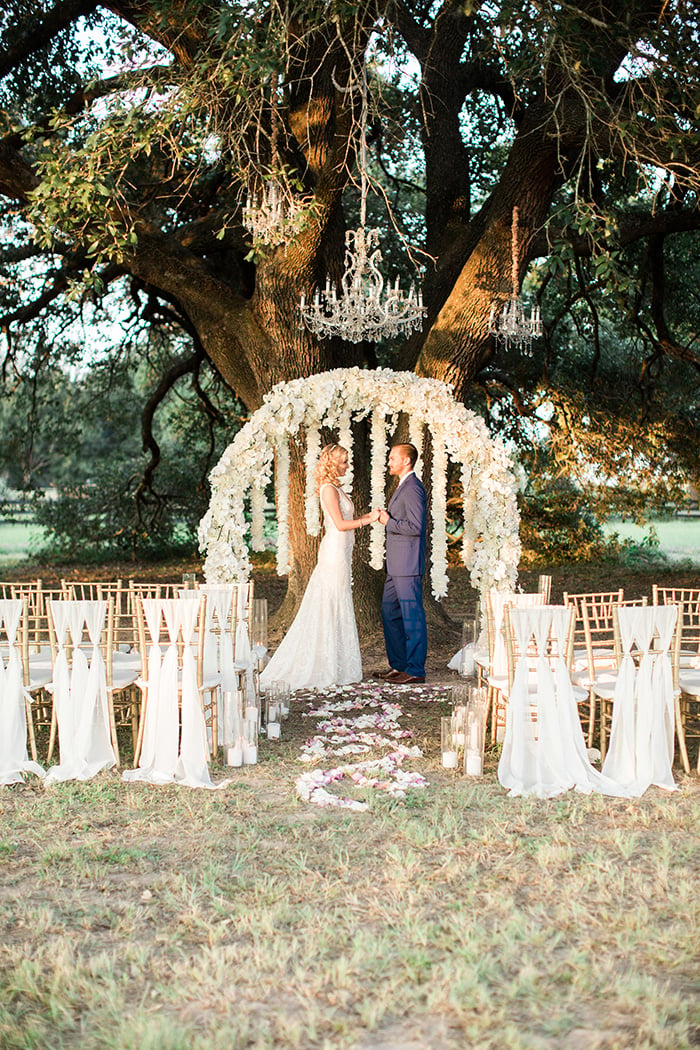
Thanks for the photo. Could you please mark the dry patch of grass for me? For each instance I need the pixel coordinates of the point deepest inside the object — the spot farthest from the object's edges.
(135, 917)
(145, 918)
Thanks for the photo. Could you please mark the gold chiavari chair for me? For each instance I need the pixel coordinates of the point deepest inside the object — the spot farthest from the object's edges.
(603, 656)
(37, 660)
(687, 666)
(209, 687)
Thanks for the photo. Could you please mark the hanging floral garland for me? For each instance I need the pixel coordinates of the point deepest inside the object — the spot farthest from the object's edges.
(491, 548)
(282, 490)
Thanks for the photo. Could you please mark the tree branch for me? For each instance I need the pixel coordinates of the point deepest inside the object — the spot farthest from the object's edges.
(144, 489)
(37, 32)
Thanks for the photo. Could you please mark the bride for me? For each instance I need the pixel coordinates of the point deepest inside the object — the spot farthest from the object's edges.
(321, 648)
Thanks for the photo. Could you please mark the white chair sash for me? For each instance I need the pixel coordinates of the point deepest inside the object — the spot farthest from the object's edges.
(641, 736)
(498, 601)
(14, 760)
(544, 752)
(170, 753)
(80, 692)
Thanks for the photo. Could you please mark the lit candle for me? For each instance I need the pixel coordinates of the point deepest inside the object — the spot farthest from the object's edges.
(234, 754)
(472, 763)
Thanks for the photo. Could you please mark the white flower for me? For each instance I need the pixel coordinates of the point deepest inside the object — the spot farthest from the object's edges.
(334, 399)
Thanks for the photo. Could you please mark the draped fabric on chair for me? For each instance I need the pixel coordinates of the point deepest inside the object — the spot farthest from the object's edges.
(642, 734)
(497, 677)
(544, 752)
(14, 761)
(227, 649)
(246, 657)
(170, 752)
(80, 692)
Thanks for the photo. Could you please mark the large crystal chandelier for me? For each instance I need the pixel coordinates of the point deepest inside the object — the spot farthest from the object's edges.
(512, 328)
(360, 307)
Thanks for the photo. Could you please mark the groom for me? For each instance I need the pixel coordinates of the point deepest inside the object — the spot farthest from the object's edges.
(403, 616)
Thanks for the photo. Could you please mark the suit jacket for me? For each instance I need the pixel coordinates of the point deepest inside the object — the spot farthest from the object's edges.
(406, 528)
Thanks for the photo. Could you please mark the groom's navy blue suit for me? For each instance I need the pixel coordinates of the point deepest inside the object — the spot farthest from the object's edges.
(403, 616)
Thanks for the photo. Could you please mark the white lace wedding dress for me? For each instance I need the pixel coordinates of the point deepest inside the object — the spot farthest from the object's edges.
(321, 648)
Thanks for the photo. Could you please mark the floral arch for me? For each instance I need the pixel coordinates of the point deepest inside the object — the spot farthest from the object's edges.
(491, 543)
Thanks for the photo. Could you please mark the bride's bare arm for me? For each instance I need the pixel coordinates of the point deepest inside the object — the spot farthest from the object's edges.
(331, 501)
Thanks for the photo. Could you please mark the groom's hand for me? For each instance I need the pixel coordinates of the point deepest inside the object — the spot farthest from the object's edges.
(383, 516)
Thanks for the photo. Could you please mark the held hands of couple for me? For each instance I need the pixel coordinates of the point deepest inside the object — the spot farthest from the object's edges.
(374, 515)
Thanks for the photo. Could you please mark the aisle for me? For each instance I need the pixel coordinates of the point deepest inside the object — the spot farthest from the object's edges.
(363, 719)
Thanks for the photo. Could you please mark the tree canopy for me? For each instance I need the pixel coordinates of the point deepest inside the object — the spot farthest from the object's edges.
(134, 131)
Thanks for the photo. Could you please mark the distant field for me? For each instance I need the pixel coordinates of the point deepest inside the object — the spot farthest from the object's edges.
(17, 540)
(679, 538)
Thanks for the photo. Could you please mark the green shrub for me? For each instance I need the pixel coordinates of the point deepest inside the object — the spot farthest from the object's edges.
(557, 526)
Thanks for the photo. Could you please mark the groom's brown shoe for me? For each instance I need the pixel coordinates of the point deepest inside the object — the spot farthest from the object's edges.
(402, 678)
(385, 675)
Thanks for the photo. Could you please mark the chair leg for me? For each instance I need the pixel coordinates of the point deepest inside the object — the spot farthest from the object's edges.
(134, 702)
(603, 739)
(113, 728)
(30, 727)
(215, 703)
(142, 724)
(680, 733)
(591, 719)
(497, 705)
(52, 734)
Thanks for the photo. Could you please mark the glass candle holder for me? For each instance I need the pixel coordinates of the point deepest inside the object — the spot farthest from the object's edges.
(250, 742)
(450, 757)
(459, 725)
(227, 718)
(470, 636)
(234, 753)
(475, 735)
(273, 717)
(258, 623)
(282, 693)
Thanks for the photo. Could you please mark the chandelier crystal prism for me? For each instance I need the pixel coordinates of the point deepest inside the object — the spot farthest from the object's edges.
(512, 328)
(360, 307)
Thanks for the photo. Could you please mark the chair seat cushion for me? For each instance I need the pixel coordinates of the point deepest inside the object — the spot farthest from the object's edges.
(604, 685)
(690, 682)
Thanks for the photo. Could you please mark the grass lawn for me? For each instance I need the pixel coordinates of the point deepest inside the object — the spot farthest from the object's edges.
(679, 538)
(147, 918)
(17, 539)
(136, 917)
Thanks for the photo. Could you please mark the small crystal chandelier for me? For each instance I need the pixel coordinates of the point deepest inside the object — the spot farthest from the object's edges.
(273, 215)
(360, 308)
(512, 328)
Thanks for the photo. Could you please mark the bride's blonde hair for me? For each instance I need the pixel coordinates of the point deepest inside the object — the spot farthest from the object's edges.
(327, 467)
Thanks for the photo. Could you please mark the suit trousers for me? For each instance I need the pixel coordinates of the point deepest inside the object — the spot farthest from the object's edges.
(405, 630)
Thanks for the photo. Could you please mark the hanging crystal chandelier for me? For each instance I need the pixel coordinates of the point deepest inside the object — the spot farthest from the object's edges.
(512, 328)
(273, 215)
(360, 307)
